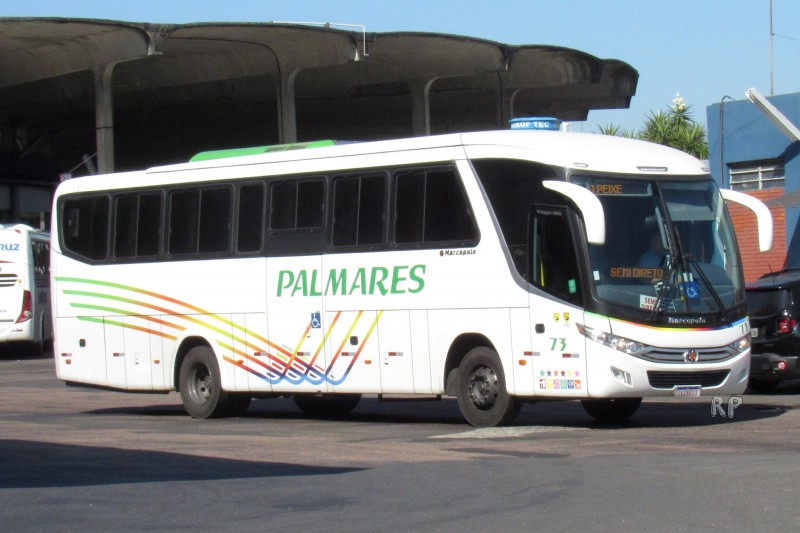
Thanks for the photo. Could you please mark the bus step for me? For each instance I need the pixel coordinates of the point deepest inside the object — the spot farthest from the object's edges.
(408, 397)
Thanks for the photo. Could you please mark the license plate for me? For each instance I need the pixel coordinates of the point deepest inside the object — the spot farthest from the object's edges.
(754, 332)
(687, 391)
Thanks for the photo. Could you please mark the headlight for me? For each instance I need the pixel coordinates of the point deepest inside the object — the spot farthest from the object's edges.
(742, 344)
(612, 341)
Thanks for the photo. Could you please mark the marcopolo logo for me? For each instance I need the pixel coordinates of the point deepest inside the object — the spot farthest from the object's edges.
(400, 279)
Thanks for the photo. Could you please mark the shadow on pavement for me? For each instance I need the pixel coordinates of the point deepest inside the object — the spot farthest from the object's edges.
(13, 352)
(654, 412)
(29, 464)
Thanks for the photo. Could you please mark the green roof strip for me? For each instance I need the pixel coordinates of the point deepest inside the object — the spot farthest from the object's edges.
(254, 150)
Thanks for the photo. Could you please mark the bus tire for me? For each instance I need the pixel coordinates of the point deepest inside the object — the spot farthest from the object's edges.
(200, 384)
(482, 394)
(326, 405)
(611, 410)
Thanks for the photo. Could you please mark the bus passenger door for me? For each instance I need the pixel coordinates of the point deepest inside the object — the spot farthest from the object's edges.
(559, 350)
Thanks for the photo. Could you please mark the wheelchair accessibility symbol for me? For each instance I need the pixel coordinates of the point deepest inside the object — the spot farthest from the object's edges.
(692, 290)
(316, 322)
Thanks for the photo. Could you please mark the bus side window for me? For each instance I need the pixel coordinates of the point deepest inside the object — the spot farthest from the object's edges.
(554, 263)
(200, 220)
(250, 219)
(148, 227)
(84, 226)
(137, 225)
(419, 216)
(359, 210)
(215, 220)
(184, 211)
(41, 262)
(297, 204)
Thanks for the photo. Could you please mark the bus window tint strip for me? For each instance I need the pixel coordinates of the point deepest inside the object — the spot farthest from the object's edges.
(230, 217)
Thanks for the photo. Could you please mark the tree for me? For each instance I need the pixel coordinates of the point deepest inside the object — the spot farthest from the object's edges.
(613, 129)
(674, 128)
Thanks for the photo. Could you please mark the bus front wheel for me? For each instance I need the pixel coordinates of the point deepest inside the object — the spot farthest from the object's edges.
(200, 385)
(482, 395)
(611, 410)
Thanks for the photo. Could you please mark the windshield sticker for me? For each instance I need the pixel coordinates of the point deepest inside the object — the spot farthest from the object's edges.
(647, 302)
(690, 289)
(572, 286)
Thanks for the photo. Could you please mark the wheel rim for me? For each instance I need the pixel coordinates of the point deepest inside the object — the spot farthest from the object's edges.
(483, 389)
(200, 383)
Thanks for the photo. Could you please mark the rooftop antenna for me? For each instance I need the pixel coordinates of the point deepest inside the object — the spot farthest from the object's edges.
(771, 54)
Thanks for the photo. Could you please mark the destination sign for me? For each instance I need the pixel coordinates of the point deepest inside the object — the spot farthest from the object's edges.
(606, 187)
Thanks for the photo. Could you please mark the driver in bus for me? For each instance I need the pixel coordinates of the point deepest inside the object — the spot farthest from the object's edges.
(653, 257)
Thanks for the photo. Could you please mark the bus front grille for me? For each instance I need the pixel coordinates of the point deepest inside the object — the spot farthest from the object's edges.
(660, 379)
(672, 355)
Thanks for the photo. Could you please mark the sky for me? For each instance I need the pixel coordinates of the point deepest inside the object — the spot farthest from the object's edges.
(706, 50)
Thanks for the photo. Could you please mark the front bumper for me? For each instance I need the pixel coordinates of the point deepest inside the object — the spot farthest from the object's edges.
(13, 332)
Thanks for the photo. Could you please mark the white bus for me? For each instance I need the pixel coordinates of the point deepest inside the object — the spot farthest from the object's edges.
(25, 319)
(497, 267)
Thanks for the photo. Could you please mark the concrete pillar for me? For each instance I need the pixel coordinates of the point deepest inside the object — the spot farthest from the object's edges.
(104, 118)
(287, 112)
(421, 106)
(507, 112)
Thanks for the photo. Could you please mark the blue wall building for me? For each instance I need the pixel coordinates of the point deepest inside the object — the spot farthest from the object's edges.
(747, 152)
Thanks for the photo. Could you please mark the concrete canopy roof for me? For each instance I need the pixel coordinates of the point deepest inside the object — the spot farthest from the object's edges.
(278, 82)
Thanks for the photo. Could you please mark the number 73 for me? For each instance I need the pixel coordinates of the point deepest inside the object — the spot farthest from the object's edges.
(561, 342)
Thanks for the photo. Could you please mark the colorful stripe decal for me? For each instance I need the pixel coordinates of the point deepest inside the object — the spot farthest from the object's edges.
(137, 309)
(736, 324)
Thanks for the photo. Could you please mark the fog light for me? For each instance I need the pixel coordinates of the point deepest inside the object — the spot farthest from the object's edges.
(780, 365)
(621, 376)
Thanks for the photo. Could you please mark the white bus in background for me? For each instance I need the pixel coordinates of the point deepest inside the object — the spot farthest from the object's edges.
(25, 318)
(496, 267)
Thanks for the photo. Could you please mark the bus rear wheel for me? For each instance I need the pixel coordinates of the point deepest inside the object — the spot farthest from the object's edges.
(326, 405)
(611, 410)
(200, 384)
(482, 395)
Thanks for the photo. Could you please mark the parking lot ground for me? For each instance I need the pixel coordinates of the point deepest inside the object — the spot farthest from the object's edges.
(38, 408)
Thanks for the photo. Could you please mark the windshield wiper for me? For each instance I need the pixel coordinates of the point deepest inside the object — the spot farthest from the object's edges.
(717, 300)
(664, 286)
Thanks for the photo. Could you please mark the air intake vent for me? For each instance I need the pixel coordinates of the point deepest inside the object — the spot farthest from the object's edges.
(668, 380)
(705, 355)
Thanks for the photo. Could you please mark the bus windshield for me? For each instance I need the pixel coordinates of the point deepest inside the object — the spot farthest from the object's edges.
(669, 246)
